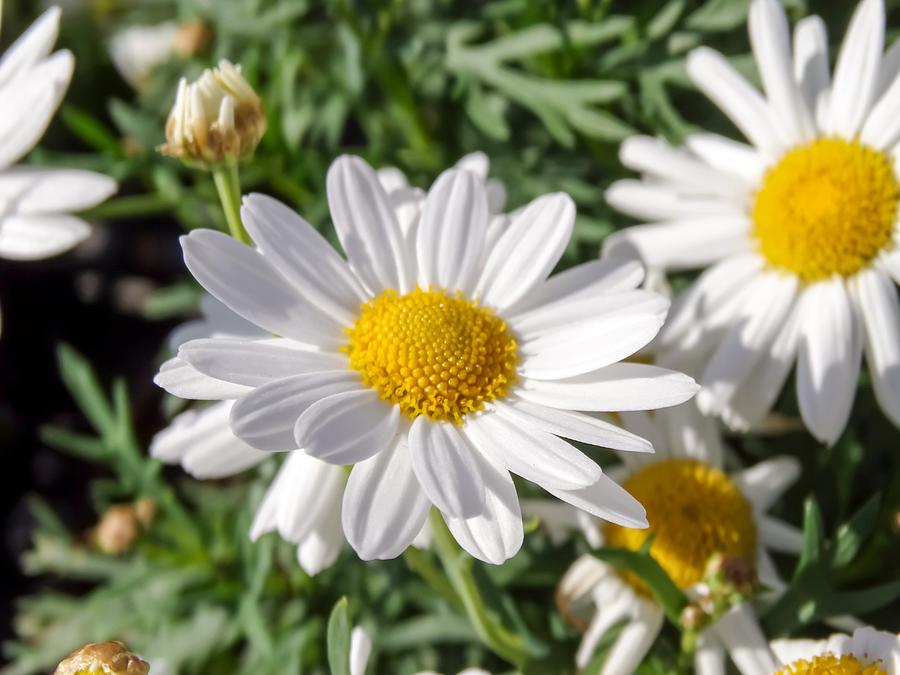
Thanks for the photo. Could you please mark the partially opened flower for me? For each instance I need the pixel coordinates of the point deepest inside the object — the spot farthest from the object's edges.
(707, 524)
(102, 658)
(303, 503)
(35, 202)
(866, 652)
(216, 120)
(798, 227)
(431, 364)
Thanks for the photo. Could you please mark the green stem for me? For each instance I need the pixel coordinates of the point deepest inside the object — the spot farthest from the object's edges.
(228, 184)
(458, 567)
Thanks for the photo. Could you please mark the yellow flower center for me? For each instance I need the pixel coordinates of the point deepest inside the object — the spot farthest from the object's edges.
(432, 353)
(695, 512)
(826, 208)
(829, 664)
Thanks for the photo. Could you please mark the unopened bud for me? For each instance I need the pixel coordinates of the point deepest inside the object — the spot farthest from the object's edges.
(737, 571)
(692, 616)
(117, 529)
(216, 120)
(103, 658)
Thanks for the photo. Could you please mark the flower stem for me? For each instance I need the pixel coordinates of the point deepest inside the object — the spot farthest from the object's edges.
(228, 184)
(458, 567)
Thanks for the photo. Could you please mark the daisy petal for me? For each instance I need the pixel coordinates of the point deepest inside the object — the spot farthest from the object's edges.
(33, 45)
(653, 202)
(720, 82)
(876, 298)
(605, 499)
(856, 70)
(254, 363)
(726, 154)
(771, 40)
(587, 345)
(764, 483)
(739, 631)
(451, 231)
(184, 381)
(38, 191)
(265, 418)
(495, 535)
(567, 424)
(24, 116)
(621, 386)
(684, 244)
(551, 318)
(535, 455)
(811, 69)
(321, 548)
(828, 365)
(367, 226)
(634, 640)
(609, 275)
(262, 297)
(446, 468)
(204, 445)
(528, 250)
(656, 157)
(384, 508)
(348, 427)
(747, 342)
(36, 237)
(780, 536)
(303, 256)
(757, 394)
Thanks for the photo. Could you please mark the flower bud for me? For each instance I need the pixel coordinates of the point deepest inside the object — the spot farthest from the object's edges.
(117, 529)
(104, 658)
(216, 120)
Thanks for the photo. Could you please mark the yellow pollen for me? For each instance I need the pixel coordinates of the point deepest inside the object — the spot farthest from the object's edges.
(829, 664)
(826, 208)
(432, 353)
(695, 512)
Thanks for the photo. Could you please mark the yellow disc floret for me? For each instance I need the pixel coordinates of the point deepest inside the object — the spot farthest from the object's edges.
(695, 512)
(432, 353)
(826, 208)
(829, 664)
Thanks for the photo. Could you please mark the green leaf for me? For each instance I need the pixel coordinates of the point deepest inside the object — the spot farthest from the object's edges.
(89, 129)
(664, 590)
(665, 19)
(339, 638)
(851, 535)
(86, 447)
(487, 112)
(856, 603)
(79, 378)
(813, 538)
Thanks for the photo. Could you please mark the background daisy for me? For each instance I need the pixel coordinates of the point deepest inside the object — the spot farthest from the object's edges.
(35, 202)
(867, 652)
(696, 512)
(798, 227)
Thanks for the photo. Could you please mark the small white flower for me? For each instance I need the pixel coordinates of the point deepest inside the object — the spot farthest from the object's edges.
(35, 202)
(798, 228)
(434, 364)
(866, 652)
(304, 501)
(137, 50)
(696, 513)
(217, 119)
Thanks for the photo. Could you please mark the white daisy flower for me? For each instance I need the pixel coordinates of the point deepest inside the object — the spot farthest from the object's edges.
(866, 652)
(696, 512)
(303, 504)
(35, 202)
(433, 365)
(798, 227)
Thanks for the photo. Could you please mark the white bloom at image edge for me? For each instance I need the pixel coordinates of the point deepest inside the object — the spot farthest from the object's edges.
(875, 651)
(798, 227)
(34, 201)
(304, 500)
(432, 364)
